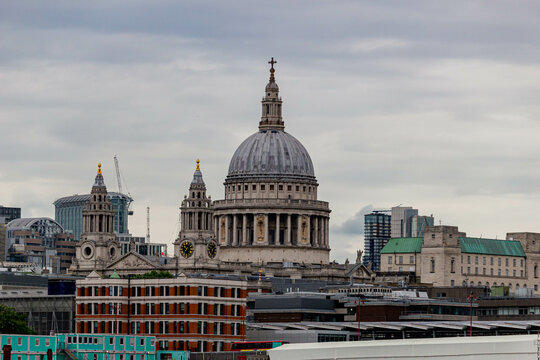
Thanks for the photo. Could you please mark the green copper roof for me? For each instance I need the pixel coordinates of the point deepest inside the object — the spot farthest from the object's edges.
(491, 247)
(403, 245)
(115, 275)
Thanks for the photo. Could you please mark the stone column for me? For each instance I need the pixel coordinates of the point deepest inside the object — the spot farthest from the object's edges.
(244, 230)
(326, 226)
(254, 239)
(316, 232)
(235, 230)
(266, 216)
(308, 230)
(276, 236)
(216, 226)
(299, 230)
(196, 220)
(227, 221)
(288, 231)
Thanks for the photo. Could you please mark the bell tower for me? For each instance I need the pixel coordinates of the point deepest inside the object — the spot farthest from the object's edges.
(97, 246)
(195, 242)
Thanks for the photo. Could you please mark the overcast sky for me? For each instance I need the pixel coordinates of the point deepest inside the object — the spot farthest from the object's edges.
(432, 104)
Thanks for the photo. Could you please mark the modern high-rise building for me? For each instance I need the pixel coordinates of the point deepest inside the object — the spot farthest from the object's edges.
(68, 212)
(419, 224)
(9, 213)
(402, 221)
(376, 235)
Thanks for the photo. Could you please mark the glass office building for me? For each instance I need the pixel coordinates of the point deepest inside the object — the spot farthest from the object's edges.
(9, 213)
(377, 227)
(68, 212)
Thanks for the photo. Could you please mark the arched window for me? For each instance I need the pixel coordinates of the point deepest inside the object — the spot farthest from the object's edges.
(432, 265)
(535, 270)
(267, 109)
(464, 283)
(452, 265)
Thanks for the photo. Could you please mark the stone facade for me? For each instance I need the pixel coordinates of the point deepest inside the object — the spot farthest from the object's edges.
(98, 246)
(442, 261)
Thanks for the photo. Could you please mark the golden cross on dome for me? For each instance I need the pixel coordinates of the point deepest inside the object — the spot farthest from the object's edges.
(198, 168)
(99, 168)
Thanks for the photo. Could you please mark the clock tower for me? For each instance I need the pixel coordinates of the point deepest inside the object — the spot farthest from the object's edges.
(98, 246)
(195, 243)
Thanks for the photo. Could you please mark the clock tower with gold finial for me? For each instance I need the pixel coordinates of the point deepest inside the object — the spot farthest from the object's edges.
(195, 243)
(97, 246)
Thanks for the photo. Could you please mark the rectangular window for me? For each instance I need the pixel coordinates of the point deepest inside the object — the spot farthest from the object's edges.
(476, 260)
(400, 260)
(263, 187)
(289, 188)
(468, 259)
(521, 262)
(483, 271)
(476, 270)
(491, 271)
(245, 188)
(254, 187)
(411, 259)
(499, 261)
(491, 261)
(389, 260)
(484, 260)
(506, 261)
(280, 187)
(514, 262)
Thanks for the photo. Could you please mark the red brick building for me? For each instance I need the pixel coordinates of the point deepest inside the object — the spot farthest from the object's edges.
(194, 312)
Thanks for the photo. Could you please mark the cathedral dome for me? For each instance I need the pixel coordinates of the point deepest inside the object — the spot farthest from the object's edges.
(271, 154)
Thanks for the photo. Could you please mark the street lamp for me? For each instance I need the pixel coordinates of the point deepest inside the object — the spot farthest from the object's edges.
(471, 298)
(358, 313)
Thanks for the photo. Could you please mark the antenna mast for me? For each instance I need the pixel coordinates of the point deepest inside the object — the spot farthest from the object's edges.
(148, 224)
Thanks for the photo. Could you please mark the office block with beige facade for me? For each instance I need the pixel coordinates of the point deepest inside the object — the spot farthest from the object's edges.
(447, 257)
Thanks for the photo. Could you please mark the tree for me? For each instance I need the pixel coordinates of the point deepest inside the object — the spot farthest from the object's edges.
(11, 322)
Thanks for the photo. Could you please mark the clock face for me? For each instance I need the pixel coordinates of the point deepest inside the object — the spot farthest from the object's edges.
(186, 249)
(212, 250)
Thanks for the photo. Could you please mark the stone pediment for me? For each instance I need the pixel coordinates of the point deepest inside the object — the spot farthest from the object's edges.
(133, 260)
(94, 275)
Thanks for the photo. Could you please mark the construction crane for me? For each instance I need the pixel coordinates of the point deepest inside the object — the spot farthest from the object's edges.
(119, 179)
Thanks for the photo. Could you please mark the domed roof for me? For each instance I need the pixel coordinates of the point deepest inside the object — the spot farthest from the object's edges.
(271, 154)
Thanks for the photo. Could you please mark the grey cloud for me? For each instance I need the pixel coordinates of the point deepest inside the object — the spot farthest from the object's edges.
(355, 224)
(428, 103)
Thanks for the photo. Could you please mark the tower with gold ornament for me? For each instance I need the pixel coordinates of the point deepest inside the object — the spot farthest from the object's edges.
(195, 243)
(97, 246)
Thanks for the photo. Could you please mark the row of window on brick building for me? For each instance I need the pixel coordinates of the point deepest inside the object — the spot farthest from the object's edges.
(162, 327)
(160, 309)
(159, 291)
